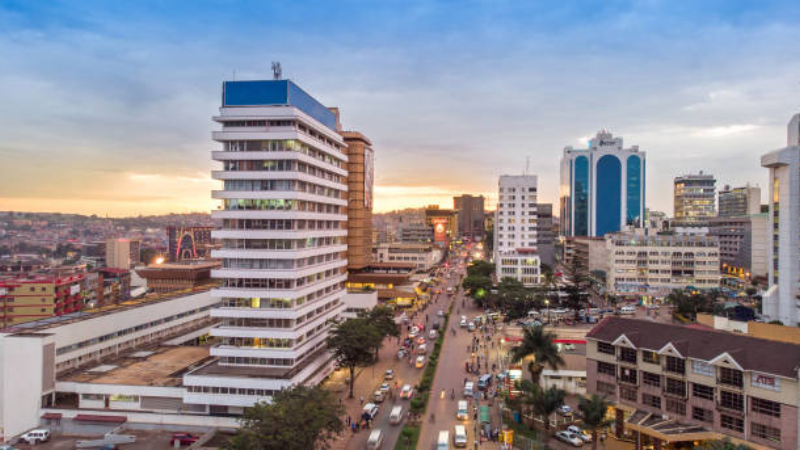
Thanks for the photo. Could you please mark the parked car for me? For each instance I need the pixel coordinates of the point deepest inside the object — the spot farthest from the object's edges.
(564, 410)
(378, 396)
(34, 437)
(583, 434)
(389, 374)
(183, 439)
(406, 392)
(463, 323)
(570, 438)
(420, 362)
(7, 447)
(384, 387)
(371, 409)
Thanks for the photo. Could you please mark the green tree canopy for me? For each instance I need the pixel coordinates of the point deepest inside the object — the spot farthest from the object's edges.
(298, 418)
(480, 267)
(538, 343)
(352, 343)
(593, 413)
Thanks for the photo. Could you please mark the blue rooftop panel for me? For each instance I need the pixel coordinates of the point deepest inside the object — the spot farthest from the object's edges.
(276, 92)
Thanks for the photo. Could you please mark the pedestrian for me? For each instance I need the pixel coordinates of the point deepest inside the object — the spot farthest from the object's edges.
(361, 399)
(348, 420)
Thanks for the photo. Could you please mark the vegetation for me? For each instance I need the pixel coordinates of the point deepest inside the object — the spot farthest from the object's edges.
(724, 444)
(689, 303)
(408, 438)
(538, 343)
(577, 284)
(593, 413)
(420, 401)
(352, 343)
(298, 418)
(478, 281)
(382, 319)
(542, 402)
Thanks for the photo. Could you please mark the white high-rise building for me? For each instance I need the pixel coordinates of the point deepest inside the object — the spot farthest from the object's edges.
(516, 234)
(781, 300)
(283, 235)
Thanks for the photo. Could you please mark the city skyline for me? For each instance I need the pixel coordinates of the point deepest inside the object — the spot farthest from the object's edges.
(121, 127)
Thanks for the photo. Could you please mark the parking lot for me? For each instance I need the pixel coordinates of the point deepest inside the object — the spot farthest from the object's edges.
(145, 440)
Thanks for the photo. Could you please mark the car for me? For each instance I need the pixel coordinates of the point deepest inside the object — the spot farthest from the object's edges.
(564, 410)
(471, 326)
(412, 334)
(401, 354)
(583, 434)
(183, 439)
(406, 392)
(388, 375)
(463, 323)
(371, 410)
(378, 396)
(432, 334)
(420, 362)
(7, 447)
(570, 438)
(384, 387)
(441, 313)
(34, 437)
(421, 340)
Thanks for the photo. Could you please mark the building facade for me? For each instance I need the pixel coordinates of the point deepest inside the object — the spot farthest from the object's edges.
(743, 244)
(739, 201)
(188, 242)
(516, 235)
(284, 247)
(423, 256)
(360, 180)
(602, 187)
(122, 253)
(26, 299)
(415, 234)
(470, 216)
(641, 265)
(780, 301)
(694, 196)
(676, 385)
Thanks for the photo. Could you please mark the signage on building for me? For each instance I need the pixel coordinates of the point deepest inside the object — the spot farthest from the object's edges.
(765, 381)
(74, 289)
(439, 229)
(369, 176)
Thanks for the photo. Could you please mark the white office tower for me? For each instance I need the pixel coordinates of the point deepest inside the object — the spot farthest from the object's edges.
(516, 254)
(283, 241)
(781, 300)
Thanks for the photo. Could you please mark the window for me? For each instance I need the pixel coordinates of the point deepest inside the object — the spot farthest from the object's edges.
(651, 400)
(627, 355)
(732, 423)
(604, 347)
(628, 375)
(676, 406)
(703, 415)
(627, 393)
(651, 379)
(767, 407)
(675, 365)
(606, 389)
(676, 387)
(649, 357)
(731, 400)
(731, 377)
(606, 368)
(702, 391)
(703, 368)
(765, 432)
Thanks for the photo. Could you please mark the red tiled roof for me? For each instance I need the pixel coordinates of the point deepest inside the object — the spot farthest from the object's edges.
(753, 354)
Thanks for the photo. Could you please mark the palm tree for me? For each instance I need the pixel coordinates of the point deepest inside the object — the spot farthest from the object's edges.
(593, 413)
(545, 403)
(537, 343)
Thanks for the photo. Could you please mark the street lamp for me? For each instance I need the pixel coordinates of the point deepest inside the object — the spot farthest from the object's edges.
(547, 305)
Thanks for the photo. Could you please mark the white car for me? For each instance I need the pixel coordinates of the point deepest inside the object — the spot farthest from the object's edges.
(384, 387)
(406, 392)
(34, 437)
(371, 409)
(564, 410)
(583, 434)
(570, 438)
(420, 362)
(441, 313)
(389, 374)
(463, 323)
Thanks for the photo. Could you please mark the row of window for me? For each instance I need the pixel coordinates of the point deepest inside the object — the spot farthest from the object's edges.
(283, 145)
(282, 224)
(281, 165)
(279, 264)
(251, 204)
(281, 185)
(280, 303)
(281, 244)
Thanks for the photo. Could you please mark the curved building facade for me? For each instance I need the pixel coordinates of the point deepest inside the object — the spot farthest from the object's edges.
(602, 187)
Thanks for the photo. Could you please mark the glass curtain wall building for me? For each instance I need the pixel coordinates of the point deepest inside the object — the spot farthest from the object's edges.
(602, 187)
(284, 249)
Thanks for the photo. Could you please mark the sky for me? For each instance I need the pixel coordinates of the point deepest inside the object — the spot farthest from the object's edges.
(106, 106)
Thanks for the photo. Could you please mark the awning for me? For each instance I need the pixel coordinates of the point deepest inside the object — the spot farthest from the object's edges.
(667, 430)
(51, 416)
(98, 418)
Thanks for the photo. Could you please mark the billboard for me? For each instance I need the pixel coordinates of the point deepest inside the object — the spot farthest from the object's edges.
(439, 229)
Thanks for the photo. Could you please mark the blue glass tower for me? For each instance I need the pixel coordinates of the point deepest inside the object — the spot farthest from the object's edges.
(602, 187)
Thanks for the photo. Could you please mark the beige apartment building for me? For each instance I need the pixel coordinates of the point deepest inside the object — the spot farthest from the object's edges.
(676, 386)
(640, 265)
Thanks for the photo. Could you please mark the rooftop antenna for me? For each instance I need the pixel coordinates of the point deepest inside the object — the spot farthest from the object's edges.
(277, 73)
(234, 74)
(527, 165)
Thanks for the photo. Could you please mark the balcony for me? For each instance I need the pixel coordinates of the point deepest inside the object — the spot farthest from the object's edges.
(730, 409)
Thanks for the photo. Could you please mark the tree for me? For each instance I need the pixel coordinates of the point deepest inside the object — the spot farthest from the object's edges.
(537, 343)
(545, 402)
(549, 281)
(298, 418)
(478, 287)
(576, 287)
(480, 267)
(382, 319)
(352, 343)
(593, 413)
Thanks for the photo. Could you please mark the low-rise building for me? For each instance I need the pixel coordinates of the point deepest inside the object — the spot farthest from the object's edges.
(26, 299)
(163, 278)
(679, 385)
(743, 244)
(655, 265)
(415, 234)
(424, 256)
(589, 252)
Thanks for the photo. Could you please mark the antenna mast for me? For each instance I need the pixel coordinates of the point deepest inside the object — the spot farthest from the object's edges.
(277, 73)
